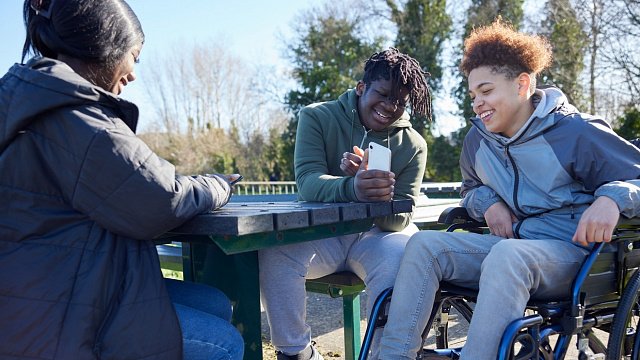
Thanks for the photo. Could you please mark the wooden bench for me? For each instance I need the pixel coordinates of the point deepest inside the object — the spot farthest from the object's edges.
(342, 284)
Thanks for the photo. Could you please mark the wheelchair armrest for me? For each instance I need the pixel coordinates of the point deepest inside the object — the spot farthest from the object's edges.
(458, 215)
(626, 222)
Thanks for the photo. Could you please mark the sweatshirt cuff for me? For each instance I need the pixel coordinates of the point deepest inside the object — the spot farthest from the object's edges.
(626, 194)
(479, 200)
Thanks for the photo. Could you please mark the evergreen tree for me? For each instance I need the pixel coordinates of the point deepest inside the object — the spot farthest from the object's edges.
(328, 54)
(423, 27)
(628, 125)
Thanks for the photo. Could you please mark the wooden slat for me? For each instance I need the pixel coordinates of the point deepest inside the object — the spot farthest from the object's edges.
(232, 223)
(380, 209)
(236, 219)
(353, 211)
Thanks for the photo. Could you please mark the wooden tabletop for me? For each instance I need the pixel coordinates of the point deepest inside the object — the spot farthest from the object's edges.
(243, 218)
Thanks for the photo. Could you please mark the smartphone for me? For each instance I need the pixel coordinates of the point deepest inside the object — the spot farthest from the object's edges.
(379, 157)
(236, 180)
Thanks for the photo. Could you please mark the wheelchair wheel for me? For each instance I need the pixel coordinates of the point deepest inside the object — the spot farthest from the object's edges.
(450, 325)
(623, 342)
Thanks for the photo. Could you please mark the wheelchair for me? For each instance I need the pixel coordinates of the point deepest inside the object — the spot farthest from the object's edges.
(604, 307)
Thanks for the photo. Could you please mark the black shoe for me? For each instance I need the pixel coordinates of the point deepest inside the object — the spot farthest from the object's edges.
(310, 353)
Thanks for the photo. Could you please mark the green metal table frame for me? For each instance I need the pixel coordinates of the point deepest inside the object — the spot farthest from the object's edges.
(217, 261)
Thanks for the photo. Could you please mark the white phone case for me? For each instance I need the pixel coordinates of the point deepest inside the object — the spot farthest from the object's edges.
(379, 157)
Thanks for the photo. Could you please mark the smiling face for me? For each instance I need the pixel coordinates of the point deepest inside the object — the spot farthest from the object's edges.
(376, 108)
(501, 103)
(123, 73)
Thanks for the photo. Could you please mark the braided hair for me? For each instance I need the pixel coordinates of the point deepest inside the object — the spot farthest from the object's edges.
(403, 71)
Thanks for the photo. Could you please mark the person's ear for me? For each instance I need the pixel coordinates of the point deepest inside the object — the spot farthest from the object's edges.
(524, 82)
(360, 87)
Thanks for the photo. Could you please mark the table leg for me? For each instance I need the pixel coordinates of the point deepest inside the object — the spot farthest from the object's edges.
(237, 276)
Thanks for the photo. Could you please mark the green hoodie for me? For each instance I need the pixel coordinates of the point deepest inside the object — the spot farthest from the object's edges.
(329, 129)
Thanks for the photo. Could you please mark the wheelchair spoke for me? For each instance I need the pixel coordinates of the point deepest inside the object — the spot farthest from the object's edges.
(622, 344)
(450, 326)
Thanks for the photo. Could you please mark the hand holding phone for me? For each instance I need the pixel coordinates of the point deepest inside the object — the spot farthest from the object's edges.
(379, 157)
(234, 181)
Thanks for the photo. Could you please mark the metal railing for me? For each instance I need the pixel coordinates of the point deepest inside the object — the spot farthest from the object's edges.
(265, 187)
(431, 189)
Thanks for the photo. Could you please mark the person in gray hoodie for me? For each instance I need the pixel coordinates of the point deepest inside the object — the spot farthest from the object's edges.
(81, 197)
(548, 180)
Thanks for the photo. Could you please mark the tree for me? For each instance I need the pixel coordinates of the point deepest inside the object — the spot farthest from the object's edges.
(569, 41)
(628, 125)
(625, 41)
(328, 54)
(214, 111)
(598, 17)
(423, 27)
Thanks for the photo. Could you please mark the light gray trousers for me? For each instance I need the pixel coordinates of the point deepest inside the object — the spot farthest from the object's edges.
(374, 256)
(506, 272)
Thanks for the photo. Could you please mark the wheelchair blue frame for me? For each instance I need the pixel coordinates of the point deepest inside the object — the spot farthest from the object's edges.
(576, 316)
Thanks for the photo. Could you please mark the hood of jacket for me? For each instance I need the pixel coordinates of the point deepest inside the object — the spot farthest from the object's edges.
(550, 104)
(45, 85)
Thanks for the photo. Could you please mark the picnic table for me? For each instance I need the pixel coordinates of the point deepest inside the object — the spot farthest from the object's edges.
(220, 248)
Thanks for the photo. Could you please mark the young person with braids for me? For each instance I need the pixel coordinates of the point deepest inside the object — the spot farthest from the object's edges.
(82, 197)
(330, 166)
(548, 180)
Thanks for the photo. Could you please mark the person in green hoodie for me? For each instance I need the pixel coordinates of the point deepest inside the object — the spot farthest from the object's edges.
(330, 166)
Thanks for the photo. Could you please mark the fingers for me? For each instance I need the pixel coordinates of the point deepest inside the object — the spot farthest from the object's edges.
(374, 185)
(350, 163)
(502, 230)
(580, 235)
(598, 222)
(376, 194)
(590, 231)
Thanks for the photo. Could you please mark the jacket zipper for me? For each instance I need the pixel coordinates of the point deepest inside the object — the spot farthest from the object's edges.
(516, 179)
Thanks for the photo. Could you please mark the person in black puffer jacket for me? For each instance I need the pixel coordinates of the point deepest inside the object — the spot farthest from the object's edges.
(81, 196)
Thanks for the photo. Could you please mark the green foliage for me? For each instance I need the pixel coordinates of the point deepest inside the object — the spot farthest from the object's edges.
(569, 43)
(628, 125)
(423, 27)
(443, 160)
(328, 55)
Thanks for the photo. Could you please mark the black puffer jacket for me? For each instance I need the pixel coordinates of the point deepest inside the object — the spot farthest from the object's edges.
(80, 197)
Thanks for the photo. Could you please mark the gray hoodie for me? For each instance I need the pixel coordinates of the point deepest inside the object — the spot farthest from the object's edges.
(551, 170)
(80, 197)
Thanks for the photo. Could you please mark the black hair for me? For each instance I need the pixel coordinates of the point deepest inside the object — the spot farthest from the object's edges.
(403, 71)
(99, 32)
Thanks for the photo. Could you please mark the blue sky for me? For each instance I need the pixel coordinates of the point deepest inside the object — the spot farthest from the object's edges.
(251, 28)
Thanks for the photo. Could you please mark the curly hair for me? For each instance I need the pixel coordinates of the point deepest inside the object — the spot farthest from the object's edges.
(403, 71)
(505, 50)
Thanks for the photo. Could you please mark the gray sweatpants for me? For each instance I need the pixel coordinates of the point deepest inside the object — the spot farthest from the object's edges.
(506, 272)
(374, 256)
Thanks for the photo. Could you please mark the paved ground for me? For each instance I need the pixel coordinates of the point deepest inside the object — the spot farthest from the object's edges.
(325, 318)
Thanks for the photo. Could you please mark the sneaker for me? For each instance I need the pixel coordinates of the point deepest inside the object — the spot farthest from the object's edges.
(448, 354)
(310, 353)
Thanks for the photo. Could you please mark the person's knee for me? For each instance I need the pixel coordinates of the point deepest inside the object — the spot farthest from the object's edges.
(231, 349)
(426, 243)
(507, 261)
